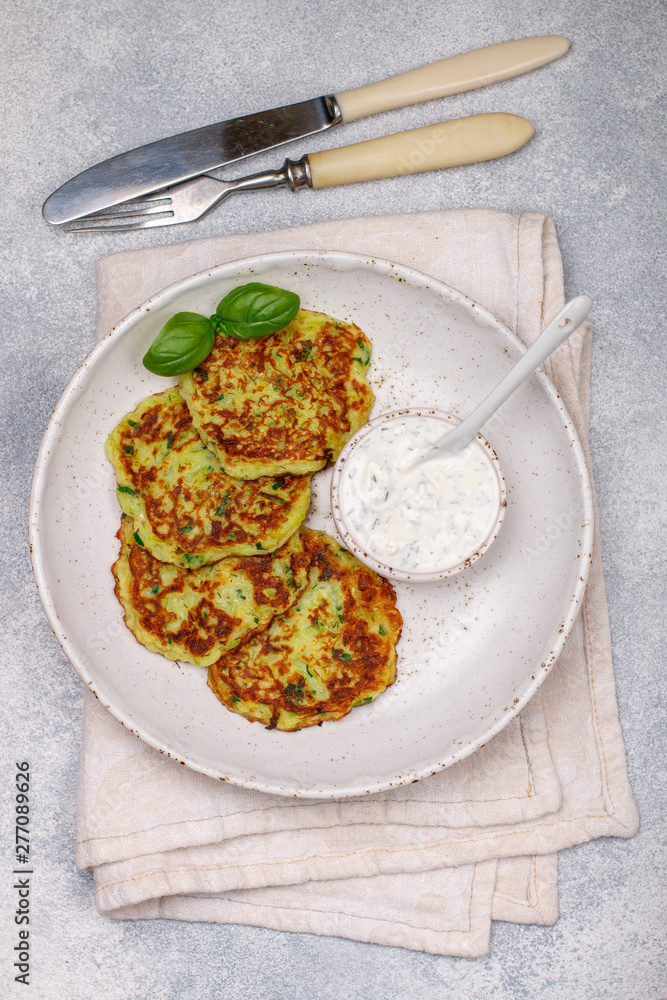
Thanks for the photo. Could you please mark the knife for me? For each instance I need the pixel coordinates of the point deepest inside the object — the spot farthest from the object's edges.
(169, 161)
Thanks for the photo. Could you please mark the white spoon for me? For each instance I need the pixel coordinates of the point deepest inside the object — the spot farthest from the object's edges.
(400, 536)
(554, 334)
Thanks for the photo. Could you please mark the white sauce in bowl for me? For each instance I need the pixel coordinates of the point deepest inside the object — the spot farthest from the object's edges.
(425, 519)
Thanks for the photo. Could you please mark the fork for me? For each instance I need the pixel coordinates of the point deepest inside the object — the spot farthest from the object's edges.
(188, 201)
(434, 147)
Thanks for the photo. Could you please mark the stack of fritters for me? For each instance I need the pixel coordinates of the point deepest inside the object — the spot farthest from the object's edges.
(186, 509)
(334, 649)
(213, 478)
(197, 615)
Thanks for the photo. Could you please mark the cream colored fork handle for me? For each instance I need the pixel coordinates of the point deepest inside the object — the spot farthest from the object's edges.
(452, 76)
(449, 144)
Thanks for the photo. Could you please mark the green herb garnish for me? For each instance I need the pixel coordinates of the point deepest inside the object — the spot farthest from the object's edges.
(255, 310)
(182, 344)
(248, 312)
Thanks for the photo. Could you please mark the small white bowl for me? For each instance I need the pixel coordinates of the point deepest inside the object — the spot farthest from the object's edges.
(356, 544)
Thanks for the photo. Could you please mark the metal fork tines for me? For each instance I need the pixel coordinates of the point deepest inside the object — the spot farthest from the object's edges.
(188, 201)
(158, 206)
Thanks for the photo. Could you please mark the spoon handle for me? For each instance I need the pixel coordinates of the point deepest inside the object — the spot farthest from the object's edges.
(554, 334)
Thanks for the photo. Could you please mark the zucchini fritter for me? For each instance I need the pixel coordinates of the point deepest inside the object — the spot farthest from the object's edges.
(198, 614)
(333, 650)
(187, 510)
(284, 404)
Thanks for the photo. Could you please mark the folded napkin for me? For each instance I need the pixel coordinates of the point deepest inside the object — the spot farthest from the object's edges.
(427, 866)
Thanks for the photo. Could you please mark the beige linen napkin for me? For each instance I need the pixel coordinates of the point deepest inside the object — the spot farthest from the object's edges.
(429, 865)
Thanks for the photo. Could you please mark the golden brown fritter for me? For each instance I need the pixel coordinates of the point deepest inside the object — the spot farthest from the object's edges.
(285, 404)
(187, 510)
(198, 614)
(333, 650)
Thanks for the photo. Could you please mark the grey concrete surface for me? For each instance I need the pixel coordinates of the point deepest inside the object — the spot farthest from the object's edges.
(82, 80)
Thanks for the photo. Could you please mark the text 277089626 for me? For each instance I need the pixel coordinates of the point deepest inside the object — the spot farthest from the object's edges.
(22, 874)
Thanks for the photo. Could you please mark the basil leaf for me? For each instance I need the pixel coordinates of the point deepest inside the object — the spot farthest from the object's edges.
(182, 344)
(252, 311)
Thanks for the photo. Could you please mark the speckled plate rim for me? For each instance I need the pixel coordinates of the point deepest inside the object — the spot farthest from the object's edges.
(417, 279)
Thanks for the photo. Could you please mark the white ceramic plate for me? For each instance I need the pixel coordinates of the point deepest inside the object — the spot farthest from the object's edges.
(474, 649)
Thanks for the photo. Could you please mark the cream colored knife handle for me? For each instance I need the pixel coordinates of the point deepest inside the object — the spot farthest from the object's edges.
(449, 144)
(452, 76)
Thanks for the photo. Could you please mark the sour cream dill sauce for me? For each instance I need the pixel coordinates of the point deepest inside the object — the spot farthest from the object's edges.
(423, 519)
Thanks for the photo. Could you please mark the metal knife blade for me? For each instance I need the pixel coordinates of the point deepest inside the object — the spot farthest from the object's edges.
(168, 161)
